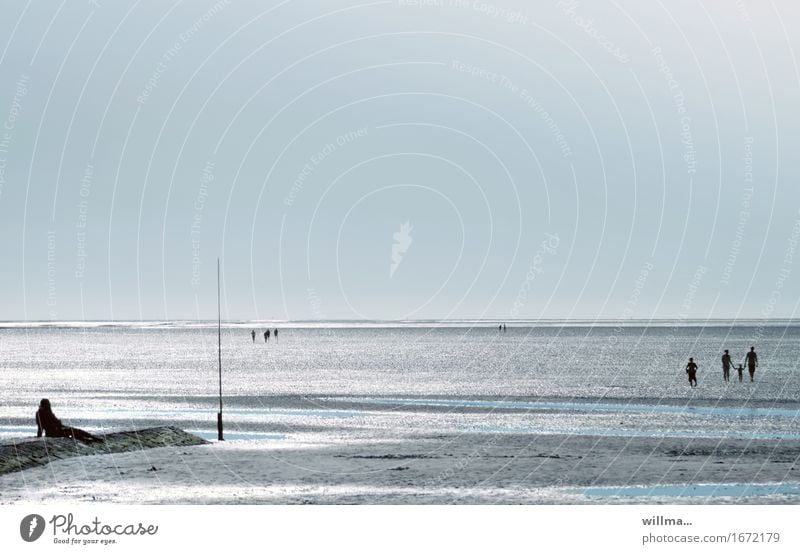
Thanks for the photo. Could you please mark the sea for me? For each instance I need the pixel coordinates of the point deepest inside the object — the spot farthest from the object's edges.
(323, 376)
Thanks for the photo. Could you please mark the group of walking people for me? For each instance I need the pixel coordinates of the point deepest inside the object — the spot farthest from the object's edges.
(751, 359)
(267, 334)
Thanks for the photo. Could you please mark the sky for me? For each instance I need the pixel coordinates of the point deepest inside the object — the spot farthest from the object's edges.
(350, 159)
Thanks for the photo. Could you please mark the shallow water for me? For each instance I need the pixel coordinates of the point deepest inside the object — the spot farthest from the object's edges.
(709, 490)
(583, 406)
(102, 376)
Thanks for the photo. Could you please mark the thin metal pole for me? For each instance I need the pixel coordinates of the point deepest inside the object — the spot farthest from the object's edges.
(219, 350)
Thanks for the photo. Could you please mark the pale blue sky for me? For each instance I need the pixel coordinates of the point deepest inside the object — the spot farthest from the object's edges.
(654, 143)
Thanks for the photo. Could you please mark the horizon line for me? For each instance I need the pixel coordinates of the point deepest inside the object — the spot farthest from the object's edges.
(421, 320)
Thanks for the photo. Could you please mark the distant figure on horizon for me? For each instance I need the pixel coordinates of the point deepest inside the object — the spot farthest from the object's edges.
(752, 362)
(691, 370)
(740, 370)
(276, 334)
(726, 367)
(500, 327)
(47, 421)
(266, 335)
(504, 327)
(253, 334)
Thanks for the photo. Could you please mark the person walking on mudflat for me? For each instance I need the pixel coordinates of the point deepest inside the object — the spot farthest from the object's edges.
(691, 371)
(726, 367)
(752, 362)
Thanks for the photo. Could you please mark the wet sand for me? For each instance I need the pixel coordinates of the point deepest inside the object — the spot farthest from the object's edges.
(416, 468)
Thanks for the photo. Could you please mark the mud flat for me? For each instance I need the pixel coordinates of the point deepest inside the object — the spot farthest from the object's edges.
(17, 455)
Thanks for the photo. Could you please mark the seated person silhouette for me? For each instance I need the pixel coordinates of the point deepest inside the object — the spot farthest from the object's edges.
(47, 421)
